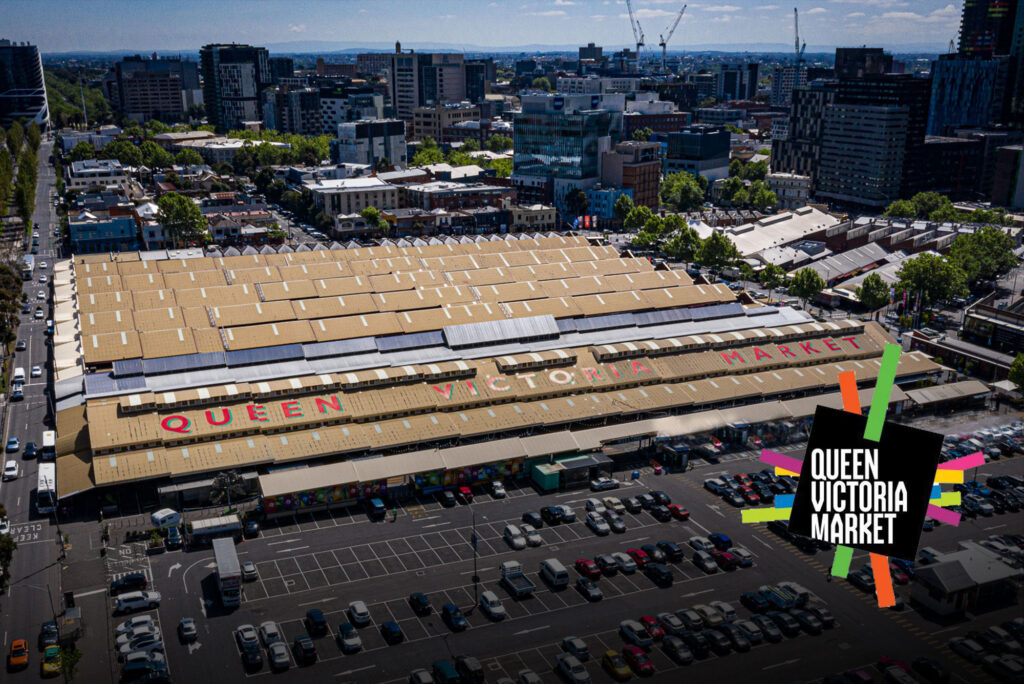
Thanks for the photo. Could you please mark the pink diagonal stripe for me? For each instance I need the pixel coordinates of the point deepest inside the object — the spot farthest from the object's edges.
(944, 516)
(776, 459)
(963, 463)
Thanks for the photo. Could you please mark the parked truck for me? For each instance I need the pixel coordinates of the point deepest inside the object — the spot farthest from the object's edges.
(779, 598)
(229, 571)
(513, 579)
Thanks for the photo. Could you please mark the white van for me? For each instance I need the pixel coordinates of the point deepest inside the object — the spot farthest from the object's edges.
(165, 517)
(19, 374)
(554, 573)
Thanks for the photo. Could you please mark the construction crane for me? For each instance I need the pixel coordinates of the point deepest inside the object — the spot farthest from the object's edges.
(663, 39)
(638, 33)
(798, 49)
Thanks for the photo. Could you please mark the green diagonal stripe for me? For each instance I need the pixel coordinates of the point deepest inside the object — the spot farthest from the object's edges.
(883, 388)
(841, 562)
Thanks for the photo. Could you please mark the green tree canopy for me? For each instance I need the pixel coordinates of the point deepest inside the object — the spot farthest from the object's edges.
(623, 205)
(469, 145)
(741, 198)
(189, 157)
(123, 151)
(33, 136)
(1016, 373)
(935, 277)
(154, 156)
(682, 192)
(984, 253)
(637, 219)
(541, 83)
(806, 284)
(182, 219)
(735, 168)
(771, 276)
(717, 251)
(82, 151)
(901, 209)
(499, 143)
(747, 272)
(763, 198)
(642, 134)
(753, 171)
(427, 153)
(683, 244)
(873, 293)
(15, 138)
(927, 203)
(374, 218)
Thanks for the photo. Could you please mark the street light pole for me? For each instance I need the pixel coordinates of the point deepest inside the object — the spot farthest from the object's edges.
(476, 575)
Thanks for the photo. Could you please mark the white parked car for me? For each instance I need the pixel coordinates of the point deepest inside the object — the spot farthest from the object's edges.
(150, 630)
(626, 564)
(11, 471)
(498, 490)
(491, 604)
(514, 537)
(36, 372)
(42, 264)
(133, 623)
(359, 613)
(269, 632)
(595, 506)
(570, 667)
(598, 524)
(40, 295)
(42, 277)
(532, 535)
(279, 659)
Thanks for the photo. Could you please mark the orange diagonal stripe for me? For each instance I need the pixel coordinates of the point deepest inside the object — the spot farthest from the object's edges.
(883, 580)
(848, 390)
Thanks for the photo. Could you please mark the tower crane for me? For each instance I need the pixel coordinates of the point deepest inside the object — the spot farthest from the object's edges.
(797, 48)
(663, 39)
(638, 33)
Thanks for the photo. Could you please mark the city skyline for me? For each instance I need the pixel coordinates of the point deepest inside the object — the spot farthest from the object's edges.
(101, 26)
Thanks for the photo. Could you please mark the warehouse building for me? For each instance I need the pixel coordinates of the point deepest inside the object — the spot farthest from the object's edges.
(406, 369)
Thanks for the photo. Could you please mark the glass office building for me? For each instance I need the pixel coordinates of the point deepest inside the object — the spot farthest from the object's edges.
(563, 136)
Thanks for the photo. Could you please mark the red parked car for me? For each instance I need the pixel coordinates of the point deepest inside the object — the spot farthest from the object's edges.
(465, 495)
(898, 575)
(743, 479)
(725, 560)
(638, 660)
(652, 625)
(639, 557)
(588, 568)
(678, 512)
(749, 495)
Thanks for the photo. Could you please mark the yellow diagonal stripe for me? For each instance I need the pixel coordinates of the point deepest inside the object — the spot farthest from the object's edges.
(783, 471)
(947, 499)
(754, 515)
(949, 476)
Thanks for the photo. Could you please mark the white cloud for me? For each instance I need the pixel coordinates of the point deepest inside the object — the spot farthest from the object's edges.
(945, 15)
(563, 3)
(816, 10)
(447, 17)
(854, 15)
(297, 28)
(721, 8)
(766, 7)
(549, 13)
(493, 4)
(873, 3)
(724, 19)
(597, 17)
(364, 11)
(649, 14)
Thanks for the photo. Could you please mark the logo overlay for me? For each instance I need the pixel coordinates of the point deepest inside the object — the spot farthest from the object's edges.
(865, 483)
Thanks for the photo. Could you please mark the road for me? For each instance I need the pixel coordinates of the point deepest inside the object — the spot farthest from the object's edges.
(35, 571)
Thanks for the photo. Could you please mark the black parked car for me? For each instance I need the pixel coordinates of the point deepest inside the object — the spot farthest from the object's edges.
(316, 623)
(251, 529)
(661, 498)
(252, 659)
(672, 550)
(661, 513)
(30, 450)
(552, 514)
(533, 518)
(419, 603)
(304, 650)
(133, 581)
(631, 504)
(48, 635)
(447, 499)
(696, 642)
(659, 574)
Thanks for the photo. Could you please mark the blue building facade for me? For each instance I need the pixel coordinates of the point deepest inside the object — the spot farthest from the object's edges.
(92, 235)
(967, 92)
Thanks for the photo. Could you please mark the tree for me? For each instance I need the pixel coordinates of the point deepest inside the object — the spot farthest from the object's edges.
(7, 547)
(754, 171)
(15, 138)
(1017, 372)
(936, 278)
(984, 253)
(642, 134)
(806, 284)
(683, 244)
(541, 83)
(747, 272)
(82, 151)
(644, 240)
(123, 151)
(763, 198)
(772, 276)
(189, 157)
(383, 164)
(33, 136)
(735, 168)
(499, 143)
(69, 657)
(469, 145)
(707, 102)
(734, 129)
(873, 293)
(926, 203)
(741, 197)
(717, 251)
(637, 219)
(226, 484)
(682, 192)
(576, 202)
(154, 156)
(656, 227)
(182, 219)
(623, 205)
(428, 153)
(375, 220)
(901, 209)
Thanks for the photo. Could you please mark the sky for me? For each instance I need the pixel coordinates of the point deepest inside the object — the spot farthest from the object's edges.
(145, 25)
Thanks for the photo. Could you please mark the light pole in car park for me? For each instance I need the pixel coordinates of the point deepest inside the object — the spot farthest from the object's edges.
(476, 575)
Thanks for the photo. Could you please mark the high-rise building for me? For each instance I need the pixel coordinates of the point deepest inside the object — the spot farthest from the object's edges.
(591, 52)
(292, 110)
(635, 166)
(340, 103)
(373, 63)
(368, 142)
(343, 70)
(234, 77)
(480, 74)
(433, 120)
(991, 140)
(736, 81)
(143, 89)
(699, 149)
(558, 142)
(966, 92)
(419, 79)
(281, 67)
(785, 79)
(862, 61)
(987, 27)
(22, 89)
(796, 146)
(1008, 184)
